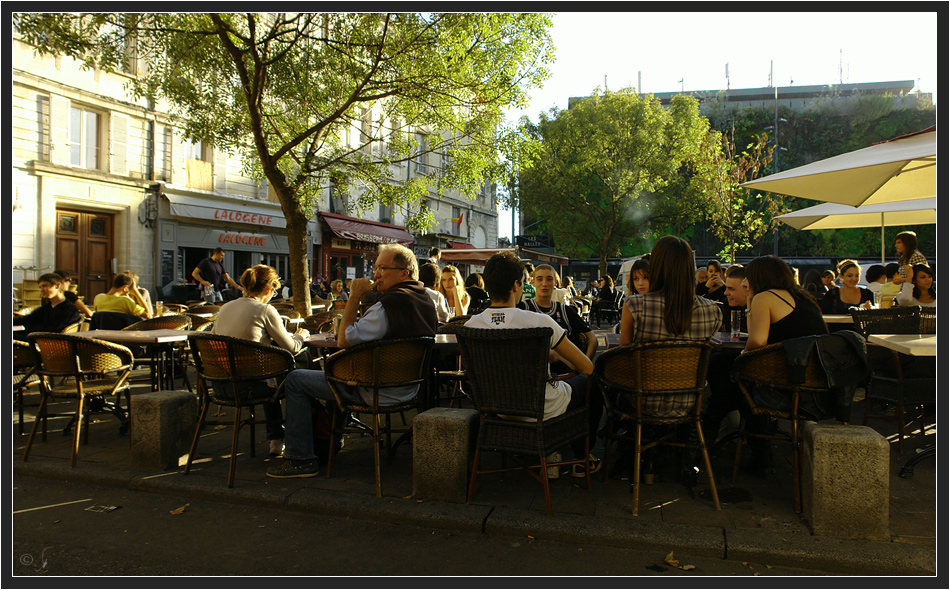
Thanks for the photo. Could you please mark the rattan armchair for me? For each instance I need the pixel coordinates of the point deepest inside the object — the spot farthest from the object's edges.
(98, 369)
(508, 372)
(157, 364)
(891, 385)
(24, 374)
(243, 365)
(655, 383)
(767, 367)
(378, 365)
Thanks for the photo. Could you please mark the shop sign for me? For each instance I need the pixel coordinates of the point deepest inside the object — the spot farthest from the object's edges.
(338, 244)
(245, 239)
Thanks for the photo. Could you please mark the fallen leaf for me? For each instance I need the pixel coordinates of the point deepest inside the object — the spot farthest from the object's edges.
(675, 563)
(178, 510)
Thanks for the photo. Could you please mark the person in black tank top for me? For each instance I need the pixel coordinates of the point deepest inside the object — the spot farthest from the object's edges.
(805, 320)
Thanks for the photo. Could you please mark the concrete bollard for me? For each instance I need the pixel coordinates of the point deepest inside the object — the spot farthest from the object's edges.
(845, 481)
(443, 446)
(163, 425)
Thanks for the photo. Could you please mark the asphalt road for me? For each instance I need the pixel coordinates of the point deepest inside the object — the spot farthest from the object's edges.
(54, 534)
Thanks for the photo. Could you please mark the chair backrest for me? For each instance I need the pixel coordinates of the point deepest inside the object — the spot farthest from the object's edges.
(111, 320)
(206, 308)
(289, 313)
(22, 356)
(452, 326)
(507, 369)
(382, 363)
(226, 358)
(73, 327)
(895, 320)
(200, 323)
(767, 367)
(164, 322)
(928, 320)
(636, 372)
(65, 355)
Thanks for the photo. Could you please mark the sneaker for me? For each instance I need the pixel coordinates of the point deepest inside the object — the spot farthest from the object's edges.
(288, 469)
(276, 447)
(554, 471)
(578, 470)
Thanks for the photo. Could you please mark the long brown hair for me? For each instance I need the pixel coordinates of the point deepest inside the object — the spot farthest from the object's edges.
(771, 272)
(672, 269)
(909, 239)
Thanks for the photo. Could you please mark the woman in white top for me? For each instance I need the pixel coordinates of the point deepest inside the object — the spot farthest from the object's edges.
(920, 291)
(252, 318)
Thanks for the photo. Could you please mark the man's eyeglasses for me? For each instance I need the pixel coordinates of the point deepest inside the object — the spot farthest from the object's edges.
(383, 268)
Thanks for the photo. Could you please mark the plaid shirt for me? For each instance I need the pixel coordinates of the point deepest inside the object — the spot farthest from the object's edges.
(649, 326)
(915, 258)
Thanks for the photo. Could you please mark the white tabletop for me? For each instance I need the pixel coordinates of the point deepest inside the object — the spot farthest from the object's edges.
(18, 327)
(838, 318)
(912, 344)
(137, 336)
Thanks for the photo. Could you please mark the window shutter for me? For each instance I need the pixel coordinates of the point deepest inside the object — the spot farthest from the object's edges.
(119, 140)
(177, 149)
(220, 170)
(59, 129)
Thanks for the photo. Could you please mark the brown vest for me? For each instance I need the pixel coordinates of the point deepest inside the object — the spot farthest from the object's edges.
(409, 310)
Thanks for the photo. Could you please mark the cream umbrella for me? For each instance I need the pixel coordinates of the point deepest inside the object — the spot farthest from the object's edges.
(900, 169)
(837, 216)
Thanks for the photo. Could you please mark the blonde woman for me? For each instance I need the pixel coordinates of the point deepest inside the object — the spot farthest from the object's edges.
(453, 289)
(252, 318)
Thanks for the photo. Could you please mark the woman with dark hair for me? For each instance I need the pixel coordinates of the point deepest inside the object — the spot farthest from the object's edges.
(908, 255)
(252, 318)
(671, 310)
(840, 300)
(475, 287)
(813, 284)
(715, 287)
(919, 291)
(779, 309)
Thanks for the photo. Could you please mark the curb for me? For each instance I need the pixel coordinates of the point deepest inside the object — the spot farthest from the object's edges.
(834, 555)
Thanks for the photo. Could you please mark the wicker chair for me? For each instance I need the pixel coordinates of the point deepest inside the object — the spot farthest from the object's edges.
(508, 372)
(99, 369)
(888, 385)
(669, 374)
(24, 374)
(235, 361)
(454, 375)
(73, 327)
(175, 308)
(376, 365)
(768, 367)
(158, 369)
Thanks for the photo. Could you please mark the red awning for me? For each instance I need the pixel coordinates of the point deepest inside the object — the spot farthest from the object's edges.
(471, 255)
(350, 228)
(459, 245)
(543, 257)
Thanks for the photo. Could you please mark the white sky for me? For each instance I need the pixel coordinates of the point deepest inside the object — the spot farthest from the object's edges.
(666, 47)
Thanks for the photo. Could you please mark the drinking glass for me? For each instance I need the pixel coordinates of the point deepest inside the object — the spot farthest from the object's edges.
(735, 322)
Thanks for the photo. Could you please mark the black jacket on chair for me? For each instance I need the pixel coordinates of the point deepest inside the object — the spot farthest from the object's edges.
(111, 320)
(843, 354)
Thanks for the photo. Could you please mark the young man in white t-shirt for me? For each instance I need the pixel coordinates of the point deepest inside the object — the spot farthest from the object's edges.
(504, 275)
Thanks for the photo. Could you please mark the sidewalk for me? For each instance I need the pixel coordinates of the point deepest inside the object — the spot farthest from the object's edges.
(757, 522)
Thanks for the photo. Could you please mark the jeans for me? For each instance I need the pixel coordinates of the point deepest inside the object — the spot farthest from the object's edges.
(301, 387)
(578, 385)
(213, 296)
(273, 429)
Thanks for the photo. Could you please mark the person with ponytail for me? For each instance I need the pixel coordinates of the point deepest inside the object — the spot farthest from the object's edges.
(252, 318)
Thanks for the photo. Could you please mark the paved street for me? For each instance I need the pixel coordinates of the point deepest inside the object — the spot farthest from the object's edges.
(158, 535)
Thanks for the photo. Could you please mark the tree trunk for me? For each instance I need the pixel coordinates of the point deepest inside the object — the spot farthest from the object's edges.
(297, 221)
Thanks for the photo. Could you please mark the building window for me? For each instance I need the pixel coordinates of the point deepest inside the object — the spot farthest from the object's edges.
(192, 149)
(85, 138)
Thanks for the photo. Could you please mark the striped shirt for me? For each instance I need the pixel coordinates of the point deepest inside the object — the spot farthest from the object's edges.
(649, 326)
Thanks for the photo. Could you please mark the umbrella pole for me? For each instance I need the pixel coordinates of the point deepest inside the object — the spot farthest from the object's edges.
(882, 238)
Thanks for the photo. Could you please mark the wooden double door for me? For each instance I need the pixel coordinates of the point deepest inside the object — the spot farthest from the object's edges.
(84, 249)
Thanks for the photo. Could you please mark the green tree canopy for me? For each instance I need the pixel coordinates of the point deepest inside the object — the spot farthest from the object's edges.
(285, 90)
(613, 165)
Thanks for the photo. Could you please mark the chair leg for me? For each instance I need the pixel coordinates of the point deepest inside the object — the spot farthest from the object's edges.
(471, 481)
(234, 446)
(194, 441)
(332, 453)
(379, 491)
(796, 452)
(740, 434)
(546, 485)
(40, 414)
(76, 434)
(608, 439)
(899, 411)
(708, 464)
(636, 469)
